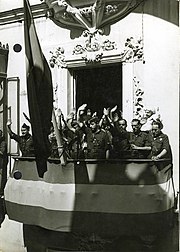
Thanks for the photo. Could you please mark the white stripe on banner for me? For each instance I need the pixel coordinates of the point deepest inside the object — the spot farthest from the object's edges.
(91, 197)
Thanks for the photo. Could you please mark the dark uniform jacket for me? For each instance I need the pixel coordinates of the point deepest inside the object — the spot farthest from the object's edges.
(25, 144)
(120, 142)
(75, 141)
(159, 143)
(53, 146)
(141, 140)
(97, 143)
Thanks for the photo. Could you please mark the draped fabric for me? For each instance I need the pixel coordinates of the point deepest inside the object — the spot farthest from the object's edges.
(122, 197)
(40, 91)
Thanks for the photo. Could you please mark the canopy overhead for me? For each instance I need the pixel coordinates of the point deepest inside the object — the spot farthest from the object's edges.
(91, 15)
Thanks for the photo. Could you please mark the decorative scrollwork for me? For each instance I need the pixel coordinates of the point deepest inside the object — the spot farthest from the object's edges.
(93, 47)
(93, 56)
(138, 99)
(108, 45)
(78, 49)
(58, 58)
(133, 50)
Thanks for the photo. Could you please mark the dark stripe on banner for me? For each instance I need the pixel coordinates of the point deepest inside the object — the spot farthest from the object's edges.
(105, 224)
(124, 173)
(35, 236)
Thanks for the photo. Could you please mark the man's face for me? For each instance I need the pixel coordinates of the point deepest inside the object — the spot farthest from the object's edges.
(155, 130)
(24, 131)
(148, 113)
(89, 112)
(93, 126)
(122, 124)
(136, 126)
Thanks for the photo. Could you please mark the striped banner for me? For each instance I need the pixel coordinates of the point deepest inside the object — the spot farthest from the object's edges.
(103, 197)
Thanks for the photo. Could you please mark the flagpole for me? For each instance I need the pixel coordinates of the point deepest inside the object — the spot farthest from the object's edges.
(59, 139)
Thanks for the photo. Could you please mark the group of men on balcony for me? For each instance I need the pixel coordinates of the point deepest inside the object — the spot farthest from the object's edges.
(86, 136)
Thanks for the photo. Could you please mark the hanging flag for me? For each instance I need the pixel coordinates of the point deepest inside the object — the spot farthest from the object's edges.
(39, 89)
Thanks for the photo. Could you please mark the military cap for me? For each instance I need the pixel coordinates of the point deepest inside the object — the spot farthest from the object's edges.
(25, 126)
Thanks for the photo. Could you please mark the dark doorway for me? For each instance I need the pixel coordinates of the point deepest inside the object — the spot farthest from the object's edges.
(99, 87)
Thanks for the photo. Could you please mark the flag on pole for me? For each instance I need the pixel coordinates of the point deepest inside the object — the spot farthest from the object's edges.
(39, 89)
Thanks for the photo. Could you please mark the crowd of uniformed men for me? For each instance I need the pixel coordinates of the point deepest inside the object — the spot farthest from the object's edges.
(84, 135)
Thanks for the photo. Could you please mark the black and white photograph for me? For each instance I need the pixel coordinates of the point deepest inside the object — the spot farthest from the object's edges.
(89, 125)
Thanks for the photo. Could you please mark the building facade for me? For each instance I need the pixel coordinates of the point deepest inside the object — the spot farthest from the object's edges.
(123, 56)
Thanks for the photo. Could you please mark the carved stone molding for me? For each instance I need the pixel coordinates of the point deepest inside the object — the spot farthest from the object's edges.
(93, 47)
(58, 58)
(93, 56)
(138, 109)
(133, 50)
(108, 45)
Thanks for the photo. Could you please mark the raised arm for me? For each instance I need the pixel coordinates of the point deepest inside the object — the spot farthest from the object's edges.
(81, 108)
(106, 114)
(11, 133)
(112, 111)
(8, 126)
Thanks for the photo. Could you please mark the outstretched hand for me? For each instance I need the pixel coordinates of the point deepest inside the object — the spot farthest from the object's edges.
(115, 118)
(82, 107)
(106, 112)
(114, 109)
